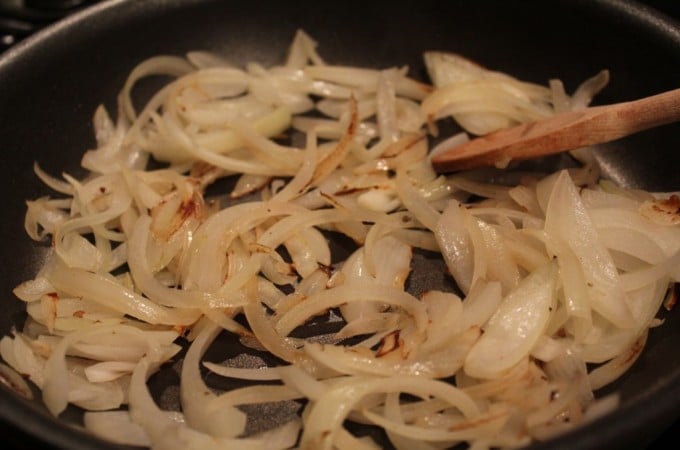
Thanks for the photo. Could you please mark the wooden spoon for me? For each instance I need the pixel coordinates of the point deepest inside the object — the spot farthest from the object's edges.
(565, 131)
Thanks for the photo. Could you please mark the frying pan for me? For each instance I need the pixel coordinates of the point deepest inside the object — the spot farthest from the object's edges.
(51, 83)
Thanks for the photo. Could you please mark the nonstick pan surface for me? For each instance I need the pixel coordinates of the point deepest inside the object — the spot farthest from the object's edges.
(51, 84)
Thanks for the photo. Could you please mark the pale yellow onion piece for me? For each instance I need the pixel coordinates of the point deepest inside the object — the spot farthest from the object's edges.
(57, 390)
(108, 370)
(44, 215)
(392, 412)
(374, 323)
(283, 347)
(253, 395)
(447, 68)
(286, 348)
(144, 195)
(95, 396)
(608, 344)
(158, 65)
(352, 271)
(199, 403)
(244, 373)
(333, 406)
(275, 268)
(635, 245)
(166, 433)
(208, 147)
(32, 290)
(366, 79)
(355, 271)
(301, 50)
(54, 183)
(119, 204)
(564, 398)
(548, 348)
(569, 226)
(415, 202)
(337, 109)
(417, 238)
(248, 183)
(480, 427)
(205, 262)
(11, 379)
(586, 91)
(606, 194)
(282, 437)
(481, 254)
(334, 297)
(560, 100)
(386, 98)
(207, 84)
(569, 368)
(647, 300)
(106, 291)
(662, 210)
(103, 194)
(270, 87)
(512, 331)
(270, 125)
(387, 259)
(410, 118)
(286, 227)
(468, 183)
(454, 244)
(205, 266)
(118, 427)
(129, 348)
(444, 310)
(650, 274)
(528, 253)
(504, 268)
(308, 249)
(331, 160)
(574, 286)
(317, 197)
(215, 113)
(360, 361)
(155, 290)
(601, 407)
(609, 220)
(170, 229)
(525, 197)
(450, 142)
(480, 304)
(474, 113)
(203, 59)
(328, 129)
(267, 150)
(433, 362)
(110, 155)
(491, 105)
(18, 353)
(303, 177)
(505, 217)
(76, 251)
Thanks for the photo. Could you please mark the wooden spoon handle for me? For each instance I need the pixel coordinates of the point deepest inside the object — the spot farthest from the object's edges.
(562, 132)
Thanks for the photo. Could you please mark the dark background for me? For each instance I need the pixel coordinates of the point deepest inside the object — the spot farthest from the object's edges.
(11, 438)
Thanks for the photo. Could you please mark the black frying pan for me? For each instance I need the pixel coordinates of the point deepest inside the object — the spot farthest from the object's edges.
(51, 84)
